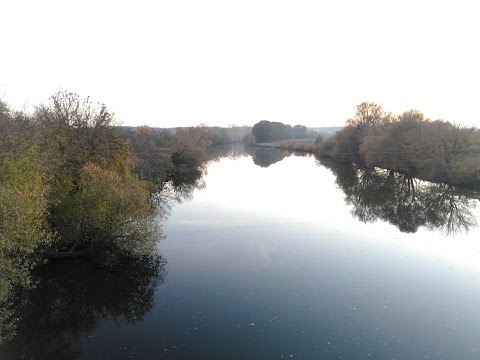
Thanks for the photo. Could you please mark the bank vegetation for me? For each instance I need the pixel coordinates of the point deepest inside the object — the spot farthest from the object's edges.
(73, 183)
(410, 143)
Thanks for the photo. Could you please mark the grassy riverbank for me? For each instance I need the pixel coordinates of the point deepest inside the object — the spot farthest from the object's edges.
(305, 145)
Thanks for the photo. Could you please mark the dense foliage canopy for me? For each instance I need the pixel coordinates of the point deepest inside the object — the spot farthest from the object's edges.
(409, 143)
(267, 131)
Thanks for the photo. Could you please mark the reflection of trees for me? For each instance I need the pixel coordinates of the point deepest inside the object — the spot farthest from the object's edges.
(179, 188)
(405, 202)
(232, 151)
(266, 157)
(263, 157)
(74, 295)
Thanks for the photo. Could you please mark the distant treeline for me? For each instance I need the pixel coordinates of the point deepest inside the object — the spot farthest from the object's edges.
(409, 143)
(267, 131)
(216, 135)
(161, 153)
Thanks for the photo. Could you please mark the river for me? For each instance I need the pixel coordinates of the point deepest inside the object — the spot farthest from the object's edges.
(278, 256)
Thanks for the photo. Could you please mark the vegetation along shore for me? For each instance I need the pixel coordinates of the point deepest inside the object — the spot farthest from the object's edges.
(410, 143)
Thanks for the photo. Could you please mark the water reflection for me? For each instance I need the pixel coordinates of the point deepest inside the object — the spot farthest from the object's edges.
(73, 296)
(405, 202)
(266, 157)
(178, 189)
(263, 157)
(230, 151)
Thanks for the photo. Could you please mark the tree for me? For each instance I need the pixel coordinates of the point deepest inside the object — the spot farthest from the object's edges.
(151, 154)
(76, 132)
(93, 195)
(300, 132)
(188, 147)
(106, 207)
(367, 115)
(23, 227)
(266, 131)
(17, 132)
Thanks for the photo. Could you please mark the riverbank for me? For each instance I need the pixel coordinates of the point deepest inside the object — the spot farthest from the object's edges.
(304, 145)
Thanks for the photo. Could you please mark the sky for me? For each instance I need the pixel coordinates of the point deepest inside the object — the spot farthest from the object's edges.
(181, 63)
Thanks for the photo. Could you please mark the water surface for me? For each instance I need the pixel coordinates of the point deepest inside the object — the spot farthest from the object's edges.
(279, 258)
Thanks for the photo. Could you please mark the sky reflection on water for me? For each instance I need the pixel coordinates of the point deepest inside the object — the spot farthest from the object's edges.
(268, 263)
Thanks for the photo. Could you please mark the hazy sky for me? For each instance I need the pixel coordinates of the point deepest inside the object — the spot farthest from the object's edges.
(168, 63)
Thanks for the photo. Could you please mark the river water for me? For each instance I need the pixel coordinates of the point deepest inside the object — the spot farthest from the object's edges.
(276, 256)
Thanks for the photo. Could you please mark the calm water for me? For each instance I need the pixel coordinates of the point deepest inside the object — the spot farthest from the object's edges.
(274, 257)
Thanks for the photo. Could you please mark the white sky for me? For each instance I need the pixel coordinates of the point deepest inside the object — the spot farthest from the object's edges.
(169, 63)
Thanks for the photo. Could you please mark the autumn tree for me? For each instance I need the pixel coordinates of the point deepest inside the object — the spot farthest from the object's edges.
(23, 227)
(76, 131)
(396, 145)
(106, 207)
(409, 143)
(94, 198)
(367, 115)
(188, 147)
(151, 153)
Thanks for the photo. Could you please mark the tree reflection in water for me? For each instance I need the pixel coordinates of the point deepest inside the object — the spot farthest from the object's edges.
(72, 296)
(266, 157)
(231, 151)
(404, 201)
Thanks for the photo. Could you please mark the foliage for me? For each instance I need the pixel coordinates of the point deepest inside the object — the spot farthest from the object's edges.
(17, 132)
(93, 198)
(319, 139)
(249, 139)
(23, 227)
(75, 132)
(300, 132)
(367, 115)
(266, 131)
(188, 148)
(71, 184)
(343, 146)
(107, 206)
(409, 143)
(219, 136)
(434, 150)
(152, 155)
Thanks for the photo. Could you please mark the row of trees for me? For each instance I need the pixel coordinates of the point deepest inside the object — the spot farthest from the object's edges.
(229, 135)
(409, 143)
(267, 131)
(159, 154)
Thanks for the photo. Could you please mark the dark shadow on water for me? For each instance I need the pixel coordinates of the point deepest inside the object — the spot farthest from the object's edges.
(71, 297)
(263, 157)
(266, 157)
(404, 201)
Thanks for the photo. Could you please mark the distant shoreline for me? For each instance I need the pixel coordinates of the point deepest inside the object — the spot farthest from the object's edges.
(304, 145)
